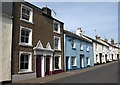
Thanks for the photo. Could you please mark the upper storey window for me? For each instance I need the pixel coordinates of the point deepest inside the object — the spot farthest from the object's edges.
(26, 13)
(56, 26)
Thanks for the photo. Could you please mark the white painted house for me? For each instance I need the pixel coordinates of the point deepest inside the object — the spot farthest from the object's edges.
(101, 50)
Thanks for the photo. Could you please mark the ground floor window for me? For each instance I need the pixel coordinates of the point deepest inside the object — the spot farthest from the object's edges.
(73, 61)
(25, 61)
(87, 61)
(57, 62)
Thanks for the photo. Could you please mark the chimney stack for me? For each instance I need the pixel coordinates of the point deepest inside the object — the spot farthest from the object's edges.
(97, 37)
(112, 41)
(79, 32)
(106, 40)
(47, 11)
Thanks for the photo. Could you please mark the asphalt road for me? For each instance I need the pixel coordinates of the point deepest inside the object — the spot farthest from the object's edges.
(106, 74)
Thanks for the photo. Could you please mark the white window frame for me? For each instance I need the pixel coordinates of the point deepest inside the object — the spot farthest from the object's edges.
(58, 27)
(75, 64)
(59, 61)
(59, 43)
(88, 48)
(30, 37)
(81, 47)
(31, 14)
(29, 65)
(74, 44)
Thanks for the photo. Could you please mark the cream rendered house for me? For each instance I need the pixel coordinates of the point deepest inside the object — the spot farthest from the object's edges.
(6, 42)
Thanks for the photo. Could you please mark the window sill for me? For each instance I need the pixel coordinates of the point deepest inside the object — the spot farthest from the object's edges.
(74, 65)
(57, 32)
(57, 69)
(20, 72)
(26, 21)
(26, 45)
(57, 49)
(74, 48)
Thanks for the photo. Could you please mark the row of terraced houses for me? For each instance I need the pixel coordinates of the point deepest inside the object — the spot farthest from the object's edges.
(34, 44)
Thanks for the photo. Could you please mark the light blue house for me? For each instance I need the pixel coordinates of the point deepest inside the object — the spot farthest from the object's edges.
(78, 51)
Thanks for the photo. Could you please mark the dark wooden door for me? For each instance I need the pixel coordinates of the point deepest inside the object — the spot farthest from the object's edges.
(118, 56)
(100, 55)
(106, 58)
(38, 66)
(81, 61)
(47, 66)
(67, 58)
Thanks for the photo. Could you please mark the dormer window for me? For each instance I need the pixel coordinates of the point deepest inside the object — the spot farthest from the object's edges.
(56, 26)
(26, 13)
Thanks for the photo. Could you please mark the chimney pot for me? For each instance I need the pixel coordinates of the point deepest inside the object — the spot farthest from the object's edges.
(112, 41)
(97, 37)
(106, 40)
(46, 10)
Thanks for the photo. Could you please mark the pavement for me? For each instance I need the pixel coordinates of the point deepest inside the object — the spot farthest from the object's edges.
(63, 74)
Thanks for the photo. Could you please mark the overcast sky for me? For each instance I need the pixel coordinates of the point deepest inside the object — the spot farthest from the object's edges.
(90, 16)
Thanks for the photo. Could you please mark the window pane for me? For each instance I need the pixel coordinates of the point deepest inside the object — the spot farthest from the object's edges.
(26, 58)
(26, 40)
(22, 39)
(27, 33)
(22, 57)
(21, 65)
(73, 61)
(22, 32)
(56, 43)
(26, 65)
(56, 26)
(25, 17)
(57, 62)
(25, 13)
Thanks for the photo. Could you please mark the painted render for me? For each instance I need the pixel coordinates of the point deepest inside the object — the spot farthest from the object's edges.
(5, 42)
(5, 64)
(76, 52)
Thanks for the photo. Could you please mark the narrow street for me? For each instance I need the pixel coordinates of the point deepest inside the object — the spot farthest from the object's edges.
(105, 74)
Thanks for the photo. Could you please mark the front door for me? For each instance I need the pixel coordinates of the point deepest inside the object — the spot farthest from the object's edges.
(106, 58)
(100, 57)
(81, 61)
(67, 59)
(118, 56)
(47, 66)
(38, 66)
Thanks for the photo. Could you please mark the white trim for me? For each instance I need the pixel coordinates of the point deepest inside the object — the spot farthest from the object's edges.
(31, 14)
(88, 48)
(29, 65)
(74, 45)
(58, 27)
(81, 47)
(30, 37)
(59, 43)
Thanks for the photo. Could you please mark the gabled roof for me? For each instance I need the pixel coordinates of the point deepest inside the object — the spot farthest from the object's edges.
(68, 33)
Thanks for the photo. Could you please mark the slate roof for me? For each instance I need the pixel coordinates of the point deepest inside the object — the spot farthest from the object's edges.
(71, 34)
